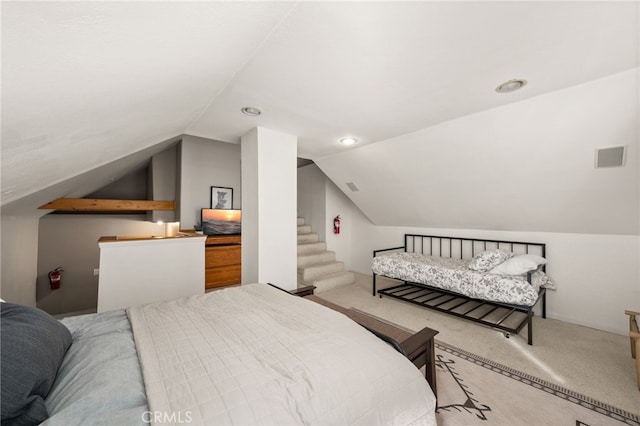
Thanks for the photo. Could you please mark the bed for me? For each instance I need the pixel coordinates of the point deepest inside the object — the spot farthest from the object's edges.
(245, 355)
(491, 282)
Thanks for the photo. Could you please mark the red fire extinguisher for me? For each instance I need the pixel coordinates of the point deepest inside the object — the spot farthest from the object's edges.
(336, 225)
(55, 277)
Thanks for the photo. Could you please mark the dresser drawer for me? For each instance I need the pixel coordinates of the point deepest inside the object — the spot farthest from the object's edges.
(222, 275)
(222, 255)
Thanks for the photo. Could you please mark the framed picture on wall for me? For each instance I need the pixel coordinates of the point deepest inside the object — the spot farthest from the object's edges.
(221, 197)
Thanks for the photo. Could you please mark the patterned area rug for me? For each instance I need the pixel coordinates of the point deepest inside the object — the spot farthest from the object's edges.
(476, 391)
(473, 390)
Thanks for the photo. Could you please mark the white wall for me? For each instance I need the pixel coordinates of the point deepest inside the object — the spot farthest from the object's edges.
(525, 166)
(71, 241)
(206, 163)
(269, 242)
(162, 183)
(251, 203)
(598, 276)
(312, 184)
(134, 272)
(337, 203)
(19, 255)
(319, 202)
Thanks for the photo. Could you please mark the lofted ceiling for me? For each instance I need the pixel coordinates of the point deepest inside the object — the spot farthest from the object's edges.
(85, 84)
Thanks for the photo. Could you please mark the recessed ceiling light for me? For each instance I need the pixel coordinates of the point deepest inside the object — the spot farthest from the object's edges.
(511, 85)
(348, 141)
(251, 111)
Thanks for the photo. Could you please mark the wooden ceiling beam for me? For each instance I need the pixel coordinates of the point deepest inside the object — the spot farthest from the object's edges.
(94, 204)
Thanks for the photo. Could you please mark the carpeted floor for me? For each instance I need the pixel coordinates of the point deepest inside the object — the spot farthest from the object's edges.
(477, 391)
(588, 362)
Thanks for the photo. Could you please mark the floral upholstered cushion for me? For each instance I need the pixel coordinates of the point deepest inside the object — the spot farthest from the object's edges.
(455, 276)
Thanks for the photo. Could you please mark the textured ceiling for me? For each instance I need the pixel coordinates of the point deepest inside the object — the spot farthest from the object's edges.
(378, 70)
(87, 83)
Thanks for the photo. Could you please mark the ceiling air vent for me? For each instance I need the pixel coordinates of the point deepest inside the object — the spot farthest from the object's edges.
(611, 156)
(352, 186)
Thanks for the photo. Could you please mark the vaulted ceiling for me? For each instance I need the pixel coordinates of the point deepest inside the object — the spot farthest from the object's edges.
(85, 84)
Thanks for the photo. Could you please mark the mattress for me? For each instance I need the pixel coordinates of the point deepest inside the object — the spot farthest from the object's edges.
(257, 355)
(244, 355)
(453, 274)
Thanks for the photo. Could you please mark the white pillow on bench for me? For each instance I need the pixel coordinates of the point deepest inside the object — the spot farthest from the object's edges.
(519, 265)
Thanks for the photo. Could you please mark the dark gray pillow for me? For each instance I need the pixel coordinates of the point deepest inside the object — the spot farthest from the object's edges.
(32, 346)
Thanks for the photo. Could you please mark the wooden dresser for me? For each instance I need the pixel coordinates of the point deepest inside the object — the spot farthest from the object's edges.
(222, 261)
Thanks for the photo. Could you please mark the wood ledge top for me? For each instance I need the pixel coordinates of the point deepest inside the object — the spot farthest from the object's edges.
(100, 205)
(180, 236)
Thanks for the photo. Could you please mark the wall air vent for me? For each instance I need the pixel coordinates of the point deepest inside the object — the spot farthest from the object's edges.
(352, 186)
(610, 156)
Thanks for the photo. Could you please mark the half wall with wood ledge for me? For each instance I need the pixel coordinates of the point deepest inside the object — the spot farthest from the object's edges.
(145, 269)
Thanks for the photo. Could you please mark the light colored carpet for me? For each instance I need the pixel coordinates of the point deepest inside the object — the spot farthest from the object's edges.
(587, 361)
(474, 391)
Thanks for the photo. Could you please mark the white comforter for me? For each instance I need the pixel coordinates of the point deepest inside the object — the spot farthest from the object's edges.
(256, 355)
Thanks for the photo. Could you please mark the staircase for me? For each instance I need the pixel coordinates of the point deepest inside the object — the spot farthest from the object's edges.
(316, 265)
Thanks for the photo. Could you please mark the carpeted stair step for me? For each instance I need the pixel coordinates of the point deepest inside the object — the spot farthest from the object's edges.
(305, 260)
(314, 271)
(304, 229)
(313, 247)
(331, 281)
(308, 238)
(316, 265)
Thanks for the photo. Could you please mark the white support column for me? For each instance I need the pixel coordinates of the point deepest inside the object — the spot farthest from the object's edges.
(269, 206)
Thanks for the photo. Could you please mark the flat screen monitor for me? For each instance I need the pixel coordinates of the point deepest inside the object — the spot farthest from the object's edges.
(221, 222)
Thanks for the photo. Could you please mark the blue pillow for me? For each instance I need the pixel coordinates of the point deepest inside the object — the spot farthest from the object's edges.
(33, 345)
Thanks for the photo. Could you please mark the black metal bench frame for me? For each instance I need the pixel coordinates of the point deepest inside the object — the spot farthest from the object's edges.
(504, 317)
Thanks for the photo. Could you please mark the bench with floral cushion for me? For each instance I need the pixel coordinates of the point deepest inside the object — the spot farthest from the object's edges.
(491, 282)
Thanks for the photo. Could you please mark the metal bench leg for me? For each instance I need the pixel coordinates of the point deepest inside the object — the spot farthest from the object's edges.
(530, 327)
(374, 284)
